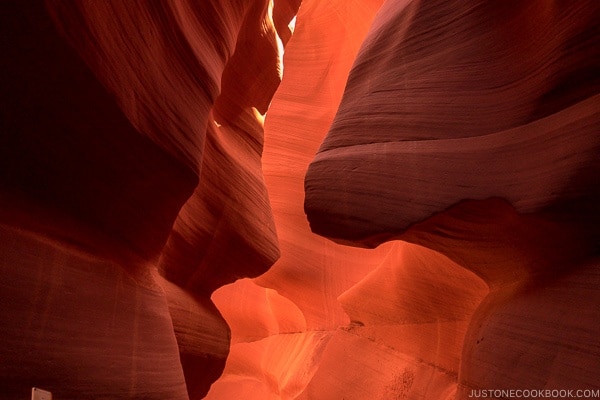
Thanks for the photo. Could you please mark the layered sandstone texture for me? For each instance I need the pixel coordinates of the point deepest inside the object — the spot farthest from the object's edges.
(169, 211)
(475, 143)
(473, 129)
(130, 188)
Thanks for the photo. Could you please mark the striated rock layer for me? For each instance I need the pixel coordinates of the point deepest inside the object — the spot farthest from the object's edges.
(463, 102)
(472, 129)
(328, 321)
(130, 188)
(458, 138)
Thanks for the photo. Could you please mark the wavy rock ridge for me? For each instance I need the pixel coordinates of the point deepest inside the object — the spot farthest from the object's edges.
(131, 188)
(472, 129)
(150, 158)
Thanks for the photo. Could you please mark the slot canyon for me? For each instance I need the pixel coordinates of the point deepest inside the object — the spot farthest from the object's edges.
(300, 199)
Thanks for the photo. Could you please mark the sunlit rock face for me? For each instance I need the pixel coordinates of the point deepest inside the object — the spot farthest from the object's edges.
(330, 321)
(166, 205)
(472, 129)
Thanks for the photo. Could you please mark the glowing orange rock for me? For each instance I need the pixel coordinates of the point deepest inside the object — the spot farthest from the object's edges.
(453, 118)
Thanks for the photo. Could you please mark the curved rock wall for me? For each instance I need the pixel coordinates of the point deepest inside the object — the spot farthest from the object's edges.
(472, 129)
(328, 321)
(131, 187)
(458, 138)
(447, 102)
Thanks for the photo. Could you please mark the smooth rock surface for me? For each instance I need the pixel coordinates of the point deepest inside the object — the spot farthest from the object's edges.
(132, 133)
(437, 109)
(472, 129)
(167, 206)
(80, 326)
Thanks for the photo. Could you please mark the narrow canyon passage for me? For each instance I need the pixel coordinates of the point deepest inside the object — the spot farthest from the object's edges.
(300, 199)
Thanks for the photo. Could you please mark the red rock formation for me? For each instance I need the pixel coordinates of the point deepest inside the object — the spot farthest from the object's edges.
(360, 323)
(82, 326)
(112, 113)
(448, 102)
(312, 272)
(132, 197)
(462, 119)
